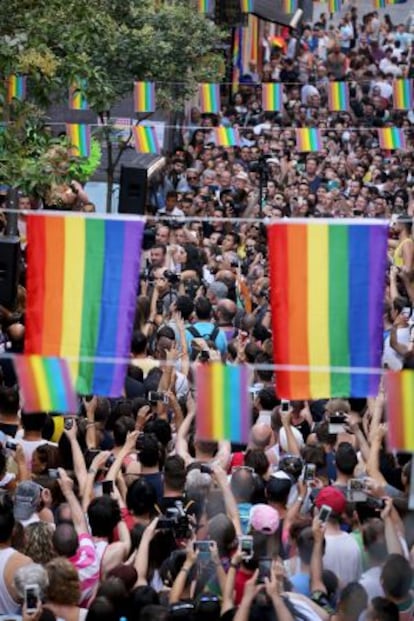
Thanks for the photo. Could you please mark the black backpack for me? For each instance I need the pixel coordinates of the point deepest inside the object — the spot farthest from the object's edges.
(208, 337)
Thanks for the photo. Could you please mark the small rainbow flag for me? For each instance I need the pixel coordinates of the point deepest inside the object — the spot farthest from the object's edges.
(45, 384)
(402, 94)
(246, 6)
(379, 4)
(334, 5)
(290, 6)
(209, 98)
(77, 99)
(272, 97)
(226, 137)
(223, 411)
(338, 96)
(391, 138)
(144, 96)
(308, 139)
(391, 2)
(146, 140)
(82, 279)
(16, 87)
(399, 390)
(327, 286)
(205, 6)
(79, 136)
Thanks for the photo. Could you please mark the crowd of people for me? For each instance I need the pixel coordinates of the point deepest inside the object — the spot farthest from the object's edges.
(120, 511)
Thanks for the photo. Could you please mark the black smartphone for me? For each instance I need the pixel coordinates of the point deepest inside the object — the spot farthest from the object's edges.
(285, 405)
(265, 568)
(68, 423)
(246, 545)
(31, 598)
(107, 487)
(154, 396)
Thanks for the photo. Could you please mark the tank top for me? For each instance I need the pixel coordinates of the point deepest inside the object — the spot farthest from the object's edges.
(398, 259)
(7, 603)
(100, 547)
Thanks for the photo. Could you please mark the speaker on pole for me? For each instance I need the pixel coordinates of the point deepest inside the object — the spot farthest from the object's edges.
(133, 190)
(9, 270)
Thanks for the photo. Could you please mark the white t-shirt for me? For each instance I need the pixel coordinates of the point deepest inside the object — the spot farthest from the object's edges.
(343, 557)
(390, 357)
(371, 581)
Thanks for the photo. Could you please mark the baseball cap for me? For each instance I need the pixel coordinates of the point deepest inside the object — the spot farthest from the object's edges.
(242, 176)
(26, 500)
(264, 519)
(332, 497)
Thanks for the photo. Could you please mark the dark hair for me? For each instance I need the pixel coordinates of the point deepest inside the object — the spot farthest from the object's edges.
(142, 596)
(175, 473)
(103, 515)
(277, 490)
(346, 458)
(185, 306)
(6, 520)
(257, 459)
(161, 429)
(396, 576)
(9, 400)
(373, 537)
(141, 497)
(115, 591)
(267, 398)
(102, 609)
(139, 342)
(65, 540)
(242, 485)
(33, 422)
(353, 600)
(203, 308)
(384, 610)
(153, 612)
(148, 450)
(122, 426)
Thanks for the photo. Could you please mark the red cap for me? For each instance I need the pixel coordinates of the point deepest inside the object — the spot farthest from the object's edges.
(332, 497)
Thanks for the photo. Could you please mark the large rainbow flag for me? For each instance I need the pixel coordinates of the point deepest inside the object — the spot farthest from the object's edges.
(327, 290)
(399, 389)
(82, 279)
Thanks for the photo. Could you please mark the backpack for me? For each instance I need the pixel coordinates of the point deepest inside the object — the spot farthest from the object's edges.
(208, 337)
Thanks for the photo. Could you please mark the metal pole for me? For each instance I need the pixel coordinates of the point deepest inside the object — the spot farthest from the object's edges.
(12, 203)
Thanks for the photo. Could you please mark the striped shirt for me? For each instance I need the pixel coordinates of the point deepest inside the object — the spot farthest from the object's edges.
(86, 562)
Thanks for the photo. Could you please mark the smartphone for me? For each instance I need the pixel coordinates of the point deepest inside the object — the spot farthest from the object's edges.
(357, 491)
(204, 549)
(110, 461)
(265, 568)
(337, 423)
(107, 487)
(53, 473)
(68, 423)
(310, 471)
(285, 405)
(11, 445)
(325, 513)
(31, 598)
(246, 545)
(154, 397)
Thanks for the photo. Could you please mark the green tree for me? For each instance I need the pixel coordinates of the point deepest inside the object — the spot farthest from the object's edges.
(107, 43)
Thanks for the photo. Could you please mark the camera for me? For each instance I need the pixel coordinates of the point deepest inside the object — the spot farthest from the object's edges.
(337, 423)
(356, 491)
(154, 397)
(176, 520)
(172, 277)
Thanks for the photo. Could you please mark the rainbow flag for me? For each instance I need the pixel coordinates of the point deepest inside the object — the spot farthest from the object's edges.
(209, 98)
(77, 99)
(399, 390)
(236, 59)
(145, 138)
(308, 139)
(205, 6)
(326, 293)
(82, 279)
(391, 138)
(334, 5)
(402, 94)
(272, 97)
(79, 136)
(45, 384)
(144, 97)
(16, 87)
(391, 2)
(246, 6)
(338, 96)
(226, 137)
(223, 403)
(379, 4)
(289, 6)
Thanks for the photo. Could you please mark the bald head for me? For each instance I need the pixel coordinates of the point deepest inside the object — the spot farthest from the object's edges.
(65, 540)
(227, 310)
(260, 436)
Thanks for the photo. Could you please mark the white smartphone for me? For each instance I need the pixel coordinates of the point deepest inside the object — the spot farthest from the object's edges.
(31, 598)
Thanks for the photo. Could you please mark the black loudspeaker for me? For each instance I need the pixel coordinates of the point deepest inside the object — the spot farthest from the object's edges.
(133, 190)
(9, 270)
(228, 13)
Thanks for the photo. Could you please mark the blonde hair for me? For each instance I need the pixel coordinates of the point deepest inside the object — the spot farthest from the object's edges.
(64, 585)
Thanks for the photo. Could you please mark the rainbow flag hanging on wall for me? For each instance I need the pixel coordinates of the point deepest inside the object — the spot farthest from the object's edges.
(16, 88)
(334, 5)
(79, 136)
(45, 384)
(209, 95)
(144, 97)
(205, 6)
(77, 98)
(391, 138)
(226, 137)
(246, 6)
(338, 96)
(402, 94)
(223, 404)
(327, 291)
(272, 97)
(236, 59)
(399, 390)
(146, 140)
(82, 279)
(289, 6)
(308, 139)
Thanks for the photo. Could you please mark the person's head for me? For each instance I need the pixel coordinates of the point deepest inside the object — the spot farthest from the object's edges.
(139, 343)
(346, 459)
(221, 529)
(217, 291)
(174, 473)
(332, 497)
(33, 422)
(27, 500)
(122, 426)
(260, 435)
(9, 401)
(242, 484)
(257, 459)
(382, 609)
(171, 200)
(266, 398)
(373, 537)
(64, 586)
(33, 573)
(278, 488)
(141, 498)
(102, 609)
(396, 578)
(39, 542)
(203, 309)
(158, 255)
(103, 515)
(184, 305)
(304, 543)
(148, 450)
(162, 234)
(154, 612)
(65, 540)
(353, 601)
